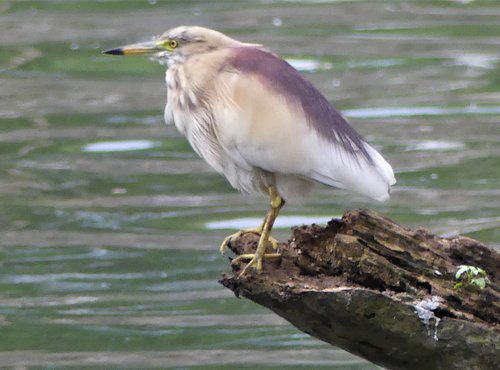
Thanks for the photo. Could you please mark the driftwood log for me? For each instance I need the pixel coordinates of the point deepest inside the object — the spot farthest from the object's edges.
(381, 291)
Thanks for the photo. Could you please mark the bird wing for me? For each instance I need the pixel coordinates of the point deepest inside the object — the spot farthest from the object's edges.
(276, 120)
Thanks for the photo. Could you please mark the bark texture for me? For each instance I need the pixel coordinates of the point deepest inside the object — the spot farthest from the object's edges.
(381, 291)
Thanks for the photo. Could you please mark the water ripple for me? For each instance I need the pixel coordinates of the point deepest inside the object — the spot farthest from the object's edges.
(119, 146)
(282, 222)
(385, 112)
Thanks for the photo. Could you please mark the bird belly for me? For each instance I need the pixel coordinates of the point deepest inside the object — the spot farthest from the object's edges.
(203, 140)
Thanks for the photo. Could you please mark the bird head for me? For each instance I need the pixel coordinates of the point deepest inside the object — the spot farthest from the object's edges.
(178, 44)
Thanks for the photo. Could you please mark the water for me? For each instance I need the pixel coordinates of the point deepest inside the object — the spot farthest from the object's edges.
(110, 225)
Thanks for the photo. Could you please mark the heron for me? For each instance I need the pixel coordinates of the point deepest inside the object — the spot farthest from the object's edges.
(256, 120)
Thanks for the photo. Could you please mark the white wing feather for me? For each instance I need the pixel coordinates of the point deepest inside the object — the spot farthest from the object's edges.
(258, 129)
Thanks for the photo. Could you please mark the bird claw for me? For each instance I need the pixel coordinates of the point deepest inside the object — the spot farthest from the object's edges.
(227, 240)
(255, 261)
(258, 231)
(273, 242)
(265, 239)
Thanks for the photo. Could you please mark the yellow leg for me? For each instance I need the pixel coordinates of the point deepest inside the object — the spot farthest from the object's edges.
(257, 230)
(256, 259)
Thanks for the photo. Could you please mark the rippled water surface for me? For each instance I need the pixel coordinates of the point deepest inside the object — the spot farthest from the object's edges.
(110, 225)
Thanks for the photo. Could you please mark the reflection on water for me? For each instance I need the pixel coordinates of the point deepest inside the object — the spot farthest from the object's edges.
(110, 224)
(282, 222)
(309, 65)
(435, 145)
(119, 146)
(418, 111)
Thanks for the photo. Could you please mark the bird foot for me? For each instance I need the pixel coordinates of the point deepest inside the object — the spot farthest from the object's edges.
(237, 235)
(256, 261)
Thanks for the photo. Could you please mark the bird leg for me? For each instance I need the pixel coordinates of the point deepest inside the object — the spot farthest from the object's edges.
(236, 235)
(255, 230)
(256, 259)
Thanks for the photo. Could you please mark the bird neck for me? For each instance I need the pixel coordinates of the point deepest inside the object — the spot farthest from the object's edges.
(175, 60)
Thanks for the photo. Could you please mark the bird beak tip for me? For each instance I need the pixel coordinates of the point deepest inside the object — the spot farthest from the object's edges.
(116, 51)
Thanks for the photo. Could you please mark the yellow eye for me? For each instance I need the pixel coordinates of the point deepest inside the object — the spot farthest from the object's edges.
(172, 44)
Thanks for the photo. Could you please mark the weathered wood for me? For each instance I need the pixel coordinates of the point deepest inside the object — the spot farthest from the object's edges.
(381, 291)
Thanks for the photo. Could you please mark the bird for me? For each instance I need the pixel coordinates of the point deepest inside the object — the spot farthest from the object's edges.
(256, 120)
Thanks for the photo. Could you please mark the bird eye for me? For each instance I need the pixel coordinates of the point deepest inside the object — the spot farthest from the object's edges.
(172, 44)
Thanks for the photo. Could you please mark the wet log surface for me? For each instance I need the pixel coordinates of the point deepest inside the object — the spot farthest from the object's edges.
(381, 291)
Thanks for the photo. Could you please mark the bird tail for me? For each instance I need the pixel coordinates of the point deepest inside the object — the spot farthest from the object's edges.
(369, 175)
(384, 175)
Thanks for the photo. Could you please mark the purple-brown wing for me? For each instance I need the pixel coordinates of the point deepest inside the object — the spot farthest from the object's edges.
(278, 75)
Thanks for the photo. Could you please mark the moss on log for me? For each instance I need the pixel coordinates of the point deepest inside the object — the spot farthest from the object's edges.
(381, 291)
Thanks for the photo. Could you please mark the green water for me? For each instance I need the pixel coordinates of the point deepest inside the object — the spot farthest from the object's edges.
(110, 225)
